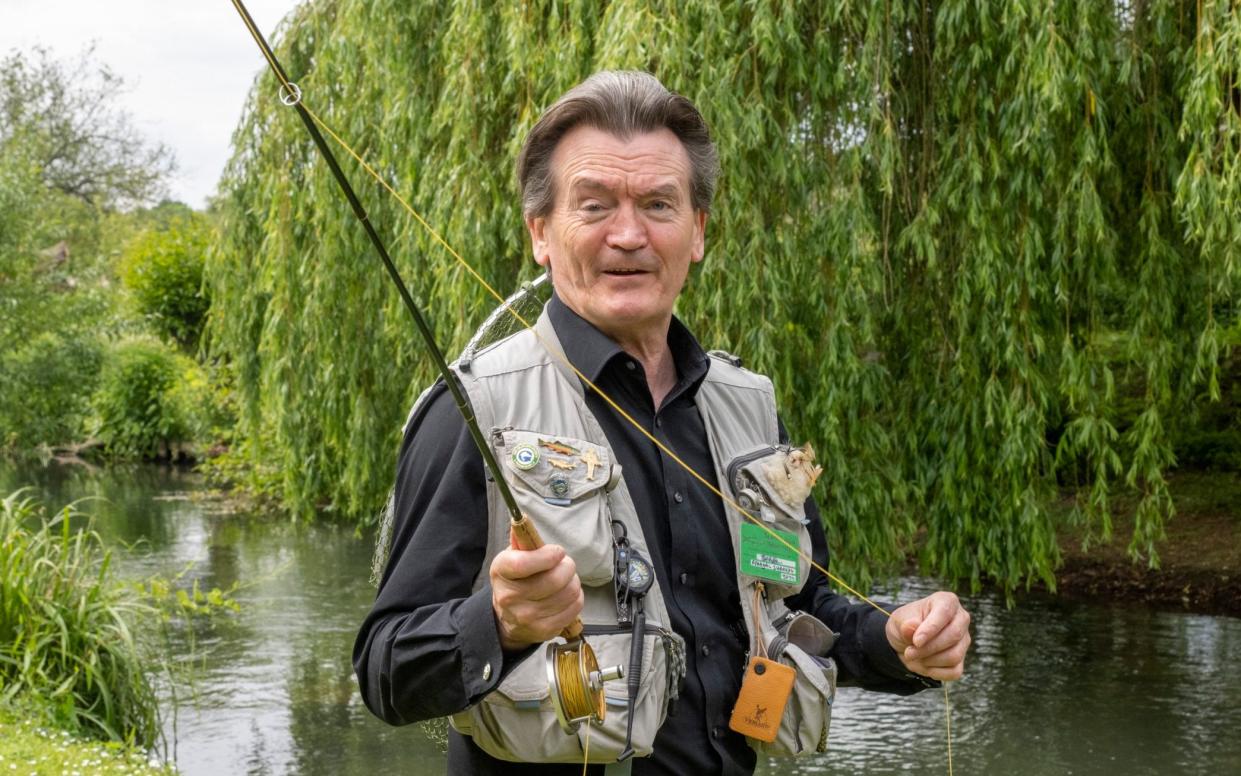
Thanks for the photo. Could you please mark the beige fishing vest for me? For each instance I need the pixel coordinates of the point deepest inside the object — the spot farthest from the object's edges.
(524, 397)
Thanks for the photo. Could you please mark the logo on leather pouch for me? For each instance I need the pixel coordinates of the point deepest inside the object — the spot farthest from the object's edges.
(764, 693)
(758, 718)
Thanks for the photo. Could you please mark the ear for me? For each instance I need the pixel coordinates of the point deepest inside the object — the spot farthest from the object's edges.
(700, 236)
(537, 226)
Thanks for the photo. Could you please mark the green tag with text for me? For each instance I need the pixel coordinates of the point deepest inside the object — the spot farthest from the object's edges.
(762, 555)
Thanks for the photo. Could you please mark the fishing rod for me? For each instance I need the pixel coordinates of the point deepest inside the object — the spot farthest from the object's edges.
(573, 671)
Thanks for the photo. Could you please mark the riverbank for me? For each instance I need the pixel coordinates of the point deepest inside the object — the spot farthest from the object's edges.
(28, 748)
(1199, 559)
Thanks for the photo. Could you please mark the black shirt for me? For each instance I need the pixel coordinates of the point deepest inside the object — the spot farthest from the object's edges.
(430, 648)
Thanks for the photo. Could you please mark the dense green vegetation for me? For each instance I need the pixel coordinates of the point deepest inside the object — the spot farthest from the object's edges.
(67, 628)
(163, 270)
(82, 650)
(90, 275)
(986, 250)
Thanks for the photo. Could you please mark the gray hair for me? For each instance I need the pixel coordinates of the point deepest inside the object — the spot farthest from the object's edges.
(623, 103)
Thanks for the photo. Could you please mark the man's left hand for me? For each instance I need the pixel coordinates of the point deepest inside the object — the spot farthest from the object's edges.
(931, 636)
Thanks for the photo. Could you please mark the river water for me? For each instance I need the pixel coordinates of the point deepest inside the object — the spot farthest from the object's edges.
(1052, 687)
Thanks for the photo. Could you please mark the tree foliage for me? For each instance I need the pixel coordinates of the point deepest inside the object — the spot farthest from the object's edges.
(53, 307)
(956, 234)
(69, 159)
(64, 119)
(140, 411)
(163, 269)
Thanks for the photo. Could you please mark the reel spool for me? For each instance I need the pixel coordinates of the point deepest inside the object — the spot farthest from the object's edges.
(576, 682)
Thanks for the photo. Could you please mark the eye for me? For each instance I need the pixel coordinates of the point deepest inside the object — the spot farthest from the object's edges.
(660, 205)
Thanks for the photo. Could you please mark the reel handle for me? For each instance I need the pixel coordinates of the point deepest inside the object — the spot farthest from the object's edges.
(526, 537)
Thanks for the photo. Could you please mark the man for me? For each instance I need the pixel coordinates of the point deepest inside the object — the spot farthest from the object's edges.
(617, 179)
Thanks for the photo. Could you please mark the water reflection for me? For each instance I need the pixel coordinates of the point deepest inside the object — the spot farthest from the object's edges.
(1053, 687)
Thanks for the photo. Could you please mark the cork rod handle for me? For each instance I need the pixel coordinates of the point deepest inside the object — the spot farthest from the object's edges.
(526, 537)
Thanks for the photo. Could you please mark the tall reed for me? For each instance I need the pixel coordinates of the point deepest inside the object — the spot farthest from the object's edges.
(67, 625)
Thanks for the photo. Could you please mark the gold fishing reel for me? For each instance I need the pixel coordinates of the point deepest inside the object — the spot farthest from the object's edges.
(576, 683)
(574, 679)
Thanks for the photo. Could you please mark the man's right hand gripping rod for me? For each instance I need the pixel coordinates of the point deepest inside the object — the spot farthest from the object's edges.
(526, 537)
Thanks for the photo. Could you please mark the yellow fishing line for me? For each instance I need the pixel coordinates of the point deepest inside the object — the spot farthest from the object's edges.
(948, 725)
(586, 750)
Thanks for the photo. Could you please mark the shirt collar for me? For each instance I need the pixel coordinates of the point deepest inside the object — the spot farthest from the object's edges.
(592, 351)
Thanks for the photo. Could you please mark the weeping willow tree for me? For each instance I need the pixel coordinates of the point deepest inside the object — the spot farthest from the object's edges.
(960, 236)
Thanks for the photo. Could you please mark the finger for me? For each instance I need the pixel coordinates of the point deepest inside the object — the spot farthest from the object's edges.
(947, 638)
(535, 592)
(557, 586)
(542, 619)
(519, 564)
(908, 628)
(541, 586)
(947, 674)
(943, 609)
(552, 623)
(951, 656)
(901, 626)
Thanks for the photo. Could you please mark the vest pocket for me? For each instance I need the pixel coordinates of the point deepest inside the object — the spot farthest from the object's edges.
(765, 485)
(802, 641)
(561, 484)
(516, 721)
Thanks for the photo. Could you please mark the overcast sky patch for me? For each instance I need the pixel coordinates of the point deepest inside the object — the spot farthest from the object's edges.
(188, 66)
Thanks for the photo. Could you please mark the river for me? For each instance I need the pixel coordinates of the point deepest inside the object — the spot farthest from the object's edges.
(1052, 688)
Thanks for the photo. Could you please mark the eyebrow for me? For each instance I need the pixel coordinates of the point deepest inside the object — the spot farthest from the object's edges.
(668, 190)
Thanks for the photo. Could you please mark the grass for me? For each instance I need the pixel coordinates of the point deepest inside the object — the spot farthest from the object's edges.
(27, 748)
(67, 628)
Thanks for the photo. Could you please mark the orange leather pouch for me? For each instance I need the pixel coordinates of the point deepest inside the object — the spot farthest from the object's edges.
(760, 705)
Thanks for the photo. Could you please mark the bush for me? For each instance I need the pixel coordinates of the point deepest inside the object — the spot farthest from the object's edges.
(141, 410)
(67, 628)
(48, 385)
(163, 270)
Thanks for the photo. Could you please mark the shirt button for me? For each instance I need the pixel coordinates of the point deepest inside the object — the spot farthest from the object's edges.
(630, 365)
(684, 578)
(717, 732)
(659, 422)
(487, 672)
(677, 497)
(706, 650)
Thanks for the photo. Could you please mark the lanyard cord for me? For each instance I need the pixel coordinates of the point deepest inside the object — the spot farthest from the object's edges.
(292, 96)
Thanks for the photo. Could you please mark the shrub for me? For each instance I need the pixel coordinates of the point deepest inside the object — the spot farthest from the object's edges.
(67, 628)
(140, 412)
(48, 385)
(163, 269)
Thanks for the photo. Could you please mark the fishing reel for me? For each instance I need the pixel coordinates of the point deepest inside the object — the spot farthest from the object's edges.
(575, 682)
(574, 679)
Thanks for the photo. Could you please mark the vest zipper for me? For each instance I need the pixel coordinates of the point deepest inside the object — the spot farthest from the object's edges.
(735, 465)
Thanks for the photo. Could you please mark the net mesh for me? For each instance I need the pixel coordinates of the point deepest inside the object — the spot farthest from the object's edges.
(527, 302)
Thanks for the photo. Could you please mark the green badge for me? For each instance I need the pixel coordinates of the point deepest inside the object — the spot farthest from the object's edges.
(762, 555)
(525, 457)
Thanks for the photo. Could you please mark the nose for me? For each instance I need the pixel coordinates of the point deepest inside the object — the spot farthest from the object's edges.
(626, 231)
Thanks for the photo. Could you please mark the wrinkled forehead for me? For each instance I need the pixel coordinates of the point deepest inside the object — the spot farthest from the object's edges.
(589, 159)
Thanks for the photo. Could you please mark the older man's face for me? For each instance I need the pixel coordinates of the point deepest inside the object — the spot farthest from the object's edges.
(623, 230)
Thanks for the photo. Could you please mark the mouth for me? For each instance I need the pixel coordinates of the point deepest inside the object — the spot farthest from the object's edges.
(624, 272)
